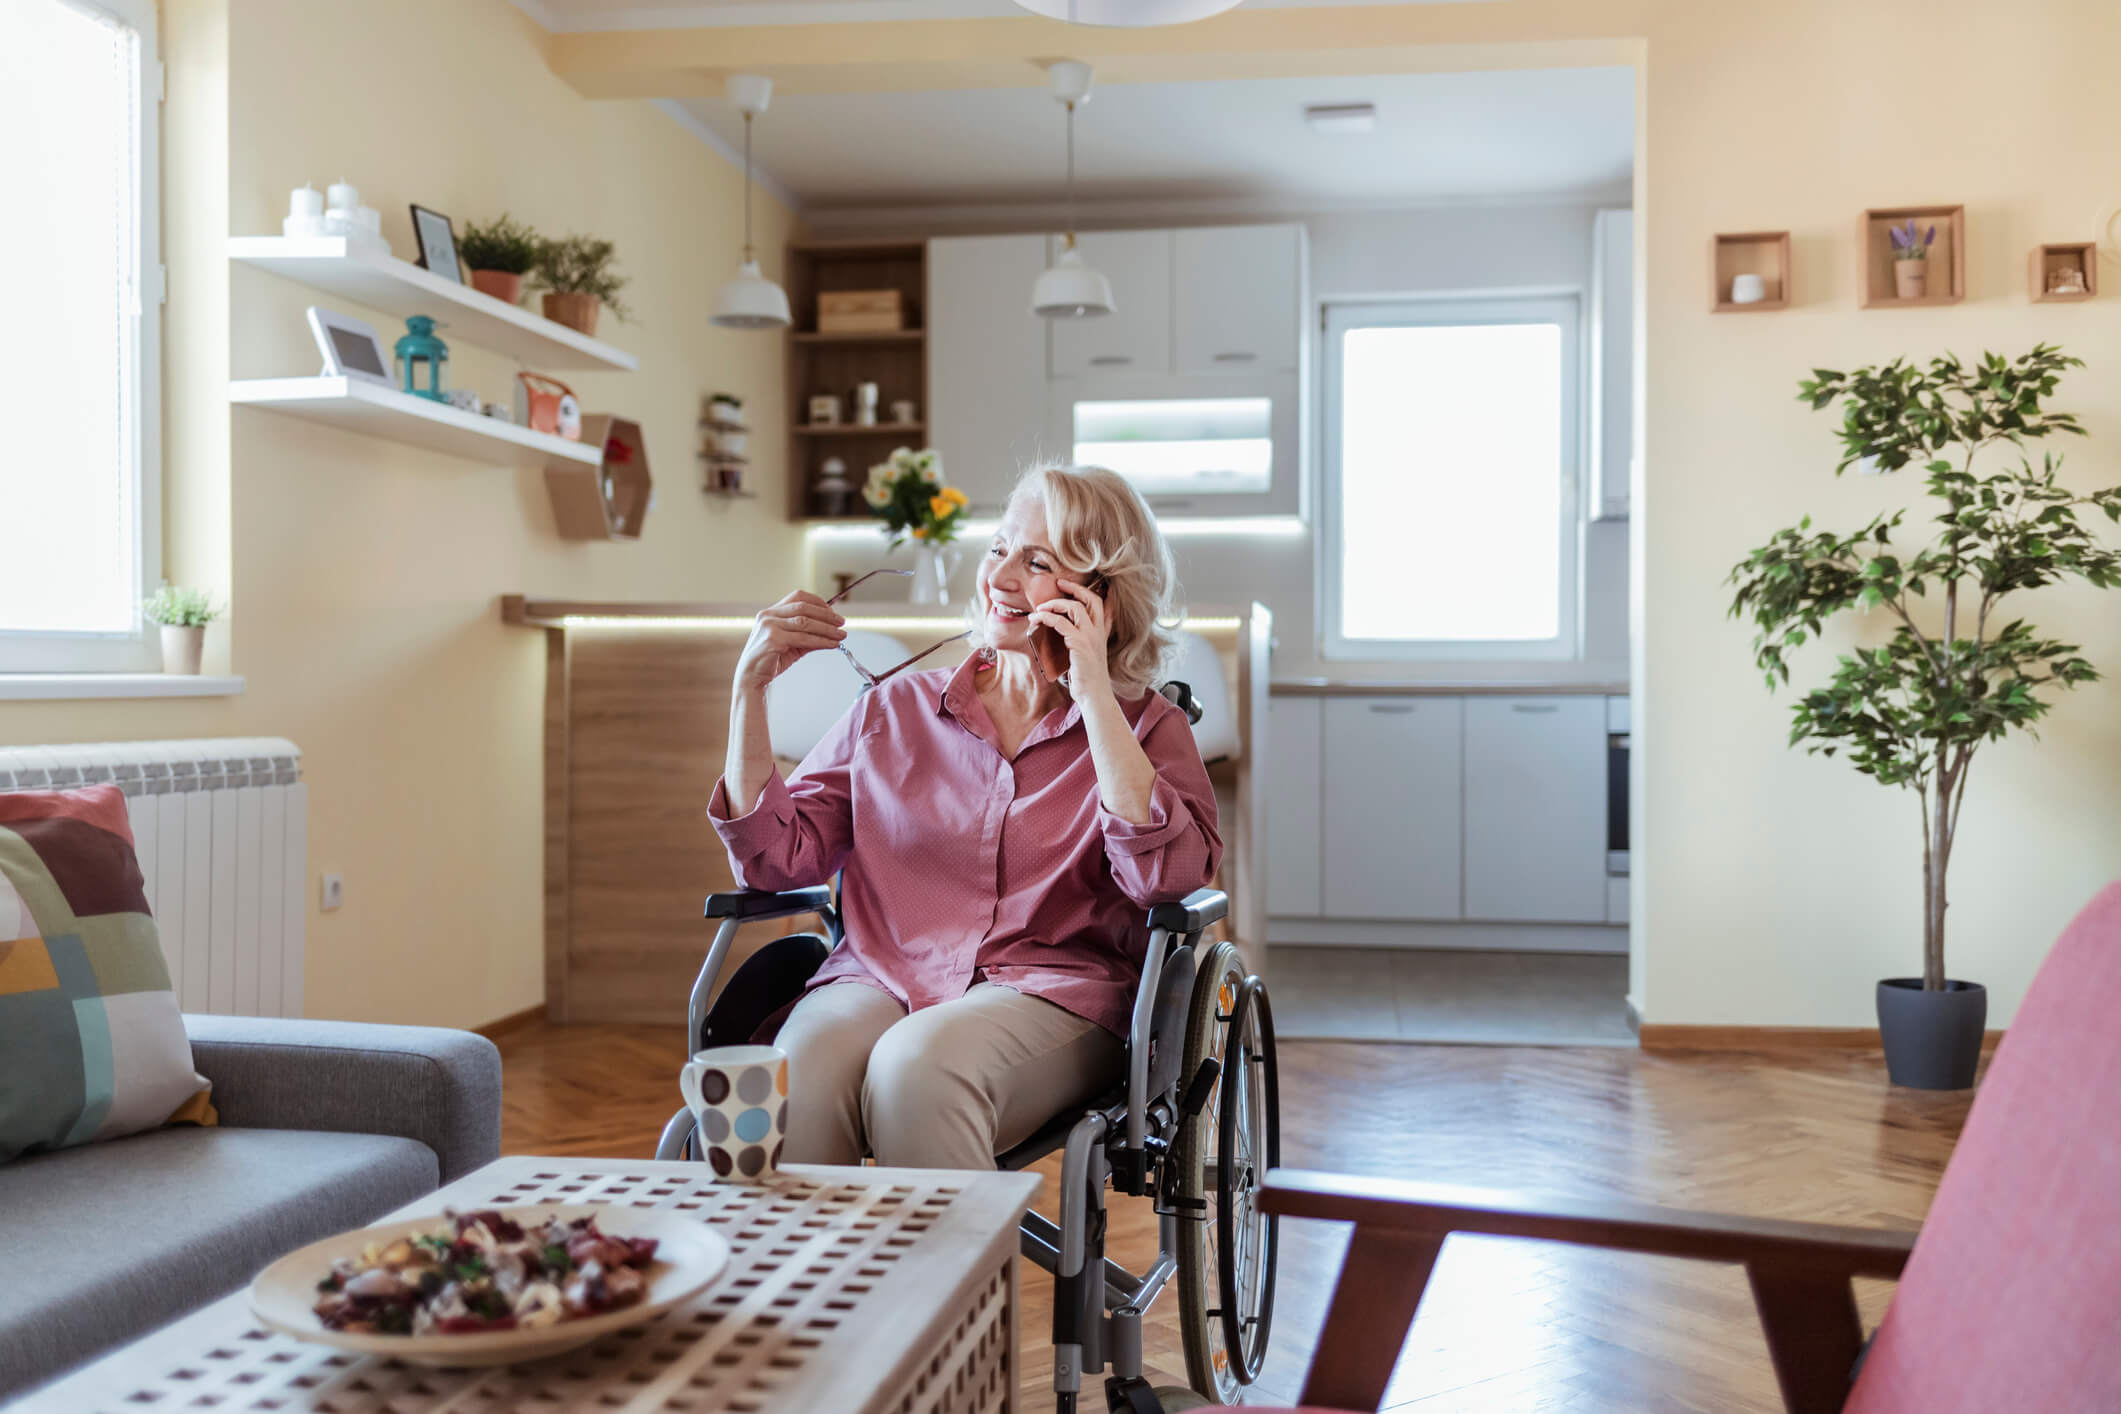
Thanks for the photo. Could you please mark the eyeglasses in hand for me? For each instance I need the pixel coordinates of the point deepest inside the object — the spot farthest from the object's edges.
(868, 678)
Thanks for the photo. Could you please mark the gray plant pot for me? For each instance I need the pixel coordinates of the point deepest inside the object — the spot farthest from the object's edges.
(1932, 1039)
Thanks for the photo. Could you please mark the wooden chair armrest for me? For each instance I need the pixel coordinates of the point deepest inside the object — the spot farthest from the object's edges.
(1437, 1210)
(1799, 1272)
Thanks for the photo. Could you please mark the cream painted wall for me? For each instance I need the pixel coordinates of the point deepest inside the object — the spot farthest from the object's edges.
(364, 574)
(1776, 888)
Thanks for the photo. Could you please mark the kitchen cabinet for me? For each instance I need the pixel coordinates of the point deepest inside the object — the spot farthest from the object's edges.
(1295, 795)
(1394, 820)
(1238, 305)
(1136, 336)
(986, 362)
(1535, 809)
(1612, 362)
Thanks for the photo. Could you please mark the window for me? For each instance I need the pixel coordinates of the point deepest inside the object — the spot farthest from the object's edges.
(1450, 479)
(80, 483)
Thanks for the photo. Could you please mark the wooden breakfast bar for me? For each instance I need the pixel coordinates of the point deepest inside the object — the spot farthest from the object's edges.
(636, 721)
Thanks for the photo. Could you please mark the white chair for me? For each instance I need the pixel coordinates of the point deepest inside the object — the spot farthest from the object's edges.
(805, 701)
(1196, 664)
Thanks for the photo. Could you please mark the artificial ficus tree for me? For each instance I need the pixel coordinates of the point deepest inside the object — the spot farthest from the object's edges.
(1955, 672)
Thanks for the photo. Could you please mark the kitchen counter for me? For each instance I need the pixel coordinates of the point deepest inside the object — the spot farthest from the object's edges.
(1327, 687)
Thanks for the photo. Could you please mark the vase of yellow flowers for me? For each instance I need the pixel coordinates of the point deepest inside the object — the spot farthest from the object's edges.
(907, 493)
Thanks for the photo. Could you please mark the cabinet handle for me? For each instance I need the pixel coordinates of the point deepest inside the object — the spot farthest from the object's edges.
(1235, 357)
(1111, 360)
(1392, 709)
(1539, 707)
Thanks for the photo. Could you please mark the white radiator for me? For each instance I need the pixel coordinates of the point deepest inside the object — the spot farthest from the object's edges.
(222, 830)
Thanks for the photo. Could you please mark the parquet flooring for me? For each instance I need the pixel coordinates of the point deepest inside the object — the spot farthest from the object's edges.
(1506, 1327)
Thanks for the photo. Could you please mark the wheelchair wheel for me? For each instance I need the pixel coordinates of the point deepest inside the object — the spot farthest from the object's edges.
(1227, 1250)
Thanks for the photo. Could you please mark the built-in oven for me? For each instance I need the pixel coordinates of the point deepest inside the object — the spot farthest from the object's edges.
(1616, 804)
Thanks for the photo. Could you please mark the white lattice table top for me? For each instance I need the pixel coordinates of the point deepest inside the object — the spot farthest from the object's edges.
(851, 1290)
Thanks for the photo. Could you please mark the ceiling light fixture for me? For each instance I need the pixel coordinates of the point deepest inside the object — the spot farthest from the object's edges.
(1128, 14)
(1069, 288)
(750, 301)
(1341, 117)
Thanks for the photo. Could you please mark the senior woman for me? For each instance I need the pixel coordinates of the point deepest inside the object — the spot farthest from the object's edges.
(1003, 825)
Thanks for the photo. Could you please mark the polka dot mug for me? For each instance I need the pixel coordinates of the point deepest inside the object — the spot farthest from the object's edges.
(738, 1096)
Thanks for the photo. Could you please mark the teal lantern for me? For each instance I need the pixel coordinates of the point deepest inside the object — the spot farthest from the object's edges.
(417, 345)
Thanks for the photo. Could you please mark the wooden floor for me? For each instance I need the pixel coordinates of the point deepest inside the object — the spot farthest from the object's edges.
(1506, 1327)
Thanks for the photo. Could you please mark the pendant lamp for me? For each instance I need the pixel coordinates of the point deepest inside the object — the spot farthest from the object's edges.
(1130, 14)
(1070, 288)
(750, 301)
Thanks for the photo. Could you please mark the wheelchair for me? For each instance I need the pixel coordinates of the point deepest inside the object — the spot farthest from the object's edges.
(1194, 1126)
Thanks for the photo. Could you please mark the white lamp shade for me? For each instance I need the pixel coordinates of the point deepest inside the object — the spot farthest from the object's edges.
(751, 301)
(1130, 14)
(1070, 289)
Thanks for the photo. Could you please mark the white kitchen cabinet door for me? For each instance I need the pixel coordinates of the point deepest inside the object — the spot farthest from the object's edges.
(1136, 336)
(1612, 362)
(1295, 790)
(1393, 813)
(1535, 793)
(986, 363)
(1238, 303)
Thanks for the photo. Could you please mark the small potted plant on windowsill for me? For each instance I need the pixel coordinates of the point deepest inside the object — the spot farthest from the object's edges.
(1911, 259)
(183, 615)
(499, 254)
(579, 281)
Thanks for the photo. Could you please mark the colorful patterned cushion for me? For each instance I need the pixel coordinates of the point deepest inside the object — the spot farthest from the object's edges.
(91, 1042)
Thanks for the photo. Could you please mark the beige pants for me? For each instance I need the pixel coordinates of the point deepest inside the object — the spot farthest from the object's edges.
(949, 1086)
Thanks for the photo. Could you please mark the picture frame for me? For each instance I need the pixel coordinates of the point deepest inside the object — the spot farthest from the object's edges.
(350, 348)
(437, 236)
(825, 410)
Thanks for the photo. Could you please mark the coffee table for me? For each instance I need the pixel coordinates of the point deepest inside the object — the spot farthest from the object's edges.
(851, 1291)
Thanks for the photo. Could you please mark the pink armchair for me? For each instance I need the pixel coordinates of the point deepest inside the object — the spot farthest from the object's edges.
(2009, 1298)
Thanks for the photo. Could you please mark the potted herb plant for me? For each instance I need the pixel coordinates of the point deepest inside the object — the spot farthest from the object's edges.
(499, 254)
(183, 615)
(577, 275)
(1911, 259)
(1954, 672)
(907, 493)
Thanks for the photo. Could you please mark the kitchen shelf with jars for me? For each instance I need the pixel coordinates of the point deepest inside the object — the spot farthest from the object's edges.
(857, 368)
(724, 451)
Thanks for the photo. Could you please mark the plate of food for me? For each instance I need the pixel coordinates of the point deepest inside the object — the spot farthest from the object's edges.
(489, 1287)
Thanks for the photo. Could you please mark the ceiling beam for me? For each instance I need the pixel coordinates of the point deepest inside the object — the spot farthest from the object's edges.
(941, 55)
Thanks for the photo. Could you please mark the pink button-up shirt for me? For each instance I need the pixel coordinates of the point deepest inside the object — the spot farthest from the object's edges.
(960, 860)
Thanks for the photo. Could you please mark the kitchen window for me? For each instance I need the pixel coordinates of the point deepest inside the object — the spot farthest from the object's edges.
(1450, 487)
(80, 486)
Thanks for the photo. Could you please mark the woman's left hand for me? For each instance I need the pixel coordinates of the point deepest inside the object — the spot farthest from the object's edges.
(1080, 621)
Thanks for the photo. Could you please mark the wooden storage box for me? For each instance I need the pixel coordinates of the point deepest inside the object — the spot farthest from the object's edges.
(609, 501)
(860, 312)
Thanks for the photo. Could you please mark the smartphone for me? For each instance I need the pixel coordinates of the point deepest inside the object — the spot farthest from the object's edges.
(1052, 652)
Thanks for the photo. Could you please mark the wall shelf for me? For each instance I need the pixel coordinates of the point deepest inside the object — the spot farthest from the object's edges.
(874, 429)
(2080, 255)
(1762, 253)
(398, 287)
(895, 336)
(1947, 258)
(608, 496)
(357, 406)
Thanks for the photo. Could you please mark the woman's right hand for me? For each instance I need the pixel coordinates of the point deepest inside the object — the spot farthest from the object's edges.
(801, 623)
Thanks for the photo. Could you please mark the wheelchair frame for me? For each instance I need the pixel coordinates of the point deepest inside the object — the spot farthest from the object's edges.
(1129, 1141)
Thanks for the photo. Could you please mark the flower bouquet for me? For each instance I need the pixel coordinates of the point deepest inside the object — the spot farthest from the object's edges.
(907, 493)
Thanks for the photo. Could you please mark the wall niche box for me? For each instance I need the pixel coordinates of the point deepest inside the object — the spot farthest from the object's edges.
(832, 360)
(1947, 257)
(609, 499)
(2081, 256)
(1762, 253)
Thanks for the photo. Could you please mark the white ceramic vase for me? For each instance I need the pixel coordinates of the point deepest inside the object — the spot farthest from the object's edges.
(181, 648)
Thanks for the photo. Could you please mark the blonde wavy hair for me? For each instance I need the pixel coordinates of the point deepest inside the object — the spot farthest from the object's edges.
(1100, 526)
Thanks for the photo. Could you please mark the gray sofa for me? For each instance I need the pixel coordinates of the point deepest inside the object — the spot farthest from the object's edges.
(324, 1126)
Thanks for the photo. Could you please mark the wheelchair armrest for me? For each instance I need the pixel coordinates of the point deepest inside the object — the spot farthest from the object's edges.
(1192, 913)
(757, 903)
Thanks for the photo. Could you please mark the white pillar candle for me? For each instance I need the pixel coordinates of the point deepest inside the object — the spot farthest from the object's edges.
(344, 197)
(305, 200)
